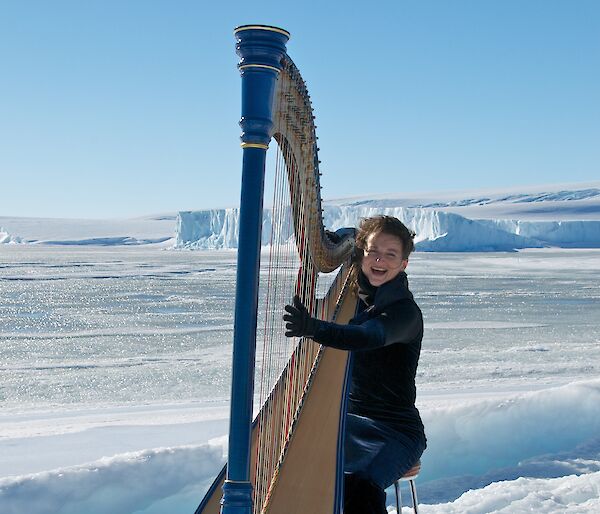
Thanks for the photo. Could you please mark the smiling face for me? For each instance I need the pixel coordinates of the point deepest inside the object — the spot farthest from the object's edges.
(383, 259)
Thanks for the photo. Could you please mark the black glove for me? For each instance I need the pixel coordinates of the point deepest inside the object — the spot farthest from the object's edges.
(332, 236)
(299, 322)
(339, 234)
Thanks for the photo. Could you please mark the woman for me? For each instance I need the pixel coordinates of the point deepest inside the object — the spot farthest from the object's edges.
(384, 434)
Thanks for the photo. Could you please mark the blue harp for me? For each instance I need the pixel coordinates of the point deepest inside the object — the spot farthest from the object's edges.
(288, 458)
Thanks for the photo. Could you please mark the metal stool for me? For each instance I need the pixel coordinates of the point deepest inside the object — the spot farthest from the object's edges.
(409, 477)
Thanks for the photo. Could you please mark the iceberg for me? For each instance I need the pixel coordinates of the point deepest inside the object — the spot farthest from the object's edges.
(437, 231)
(566, 216)
(501, 220)
(6, 238)
(564, 234)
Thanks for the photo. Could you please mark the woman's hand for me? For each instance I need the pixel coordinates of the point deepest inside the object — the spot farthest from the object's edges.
(299, 322)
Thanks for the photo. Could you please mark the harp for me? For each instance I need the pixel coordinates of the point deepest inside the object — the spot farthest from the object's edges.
(289, 458)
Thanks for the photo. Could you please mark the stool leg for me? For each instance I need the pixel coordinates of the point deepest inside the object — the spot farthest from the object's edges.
(398, 497)
(413, 493)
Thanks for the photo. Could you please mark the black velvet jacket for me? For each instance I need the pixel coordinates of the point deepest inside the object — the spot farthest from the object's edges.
(385, 338)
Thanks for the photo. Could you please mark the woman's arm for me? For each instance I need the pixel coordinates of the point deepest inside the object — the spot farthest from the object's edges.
(368, 336)
(400, 323)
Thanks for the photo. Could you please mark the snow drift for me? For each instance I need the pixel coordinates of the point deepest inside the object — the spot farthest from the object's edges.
(125, 483)
(535, 451)
(474, 438)
(574, 493)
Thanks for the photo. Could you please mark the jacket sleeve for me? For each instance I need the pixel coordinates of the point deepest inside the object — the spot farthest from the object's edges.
(400, 323)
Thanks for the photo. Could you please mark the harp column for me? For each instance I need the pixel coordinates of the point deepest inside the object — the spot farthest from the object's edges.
(261, 49)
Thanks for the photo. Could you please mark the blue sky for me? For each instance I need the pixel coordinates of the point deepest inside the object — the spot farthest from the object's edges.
(124, 108)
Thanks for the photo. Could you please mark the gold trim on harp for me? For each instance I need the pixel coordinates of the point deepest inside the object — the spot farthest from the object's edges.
(255, 145)
(262, 27)
(244, 66)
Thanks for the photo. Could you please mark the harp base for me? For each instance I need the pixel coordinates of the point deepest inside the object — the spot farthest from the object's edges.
(237, 497)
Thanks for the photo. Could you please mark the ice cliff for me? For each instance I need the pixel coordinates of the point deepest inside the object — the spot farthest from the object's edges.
(565, 216)
(437, 231)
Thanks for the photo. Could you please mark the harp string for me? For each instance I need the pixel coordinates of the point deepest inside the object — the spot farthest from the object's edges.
(276, 349)
(286, 363)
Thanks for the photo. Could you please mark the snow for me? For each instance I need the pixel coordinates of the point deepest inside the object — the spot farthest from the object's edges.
(566, 234)
(572, 493)
(100, 347)
(444, 222)
(158, 229)
(478, 436)
(559, 202)
(83, 324)
(123, 483)
(496, 454)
